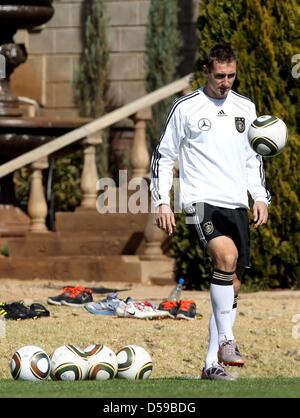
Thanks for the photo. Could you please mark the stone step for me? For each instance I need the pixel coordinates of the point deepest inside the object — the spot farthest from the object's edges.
(90, 268)
(77, 244)
(114, 268)
(95, 223)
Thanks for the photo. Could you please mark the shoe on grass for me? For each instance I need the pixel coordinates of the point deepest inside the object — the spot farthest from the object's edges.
(170, 306)
(216, 372)
(106, 306)
(186, 310)
(56, 300)
(78, 297)
(229, 354)
(139, 310)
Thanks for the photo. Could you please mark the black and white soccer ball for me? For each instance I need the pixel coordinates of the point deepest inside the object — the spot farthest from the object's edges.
(134, 363)
(102, 361)
(30, 363)
(68, 362)
(268, 135)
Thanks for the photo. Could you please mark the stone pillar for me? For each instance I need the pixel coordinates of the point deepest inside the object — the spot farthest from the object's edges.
(140, 159)
(37, 205)
(154, 238)
(155, 266)
(89, 176)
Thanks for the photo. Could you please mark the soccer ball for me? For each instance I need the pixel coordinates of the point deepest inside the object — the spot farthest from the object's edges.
(68, 362)
(134, 363)
(268, 135)
(103, 364)
(30, 363)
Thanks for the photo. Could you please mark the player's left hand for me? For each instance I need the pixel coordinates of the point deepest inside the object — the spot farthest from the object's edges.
(260, 214)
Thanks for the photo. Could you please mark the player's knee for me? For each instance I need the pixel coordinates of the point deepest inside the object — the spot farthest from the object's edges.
(227, 261)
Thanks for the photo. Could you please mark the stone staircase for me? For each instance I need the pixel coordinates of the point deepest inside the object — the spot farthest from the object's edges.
(86, 245)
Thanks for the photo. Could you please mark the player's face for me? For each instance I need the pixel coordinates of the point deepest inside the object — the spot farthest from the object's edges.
(220, 79)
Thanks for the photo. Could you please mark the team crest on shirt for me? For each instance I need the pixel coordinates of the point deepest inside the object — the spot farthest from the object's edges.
(240, 124)
(208, 228)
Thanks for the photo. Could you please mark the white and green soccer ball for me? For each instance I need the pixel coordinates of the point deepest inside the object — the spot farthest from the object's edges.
(68, 362)
(134, 363)
(103, 364)
(268, 135)
(30, 363)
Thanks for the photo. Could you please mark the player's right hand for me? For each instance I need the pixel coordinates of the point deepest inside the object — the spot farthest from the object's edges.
(165, 218)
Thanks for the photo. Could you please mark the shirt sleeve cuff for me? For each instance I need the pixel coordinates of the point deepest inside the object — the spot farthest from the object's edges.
(163, 201)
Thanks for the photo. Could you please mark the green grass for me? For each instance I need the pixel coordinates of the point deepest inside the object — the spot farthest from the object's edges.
(154, 388)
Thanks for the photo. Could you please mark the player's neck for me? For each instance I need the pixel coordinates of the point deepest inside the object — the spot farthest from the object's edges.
(210, 94)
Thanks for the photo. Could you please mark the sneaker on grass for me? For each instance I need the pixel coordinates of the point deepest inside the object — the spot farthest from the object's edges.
(170, 306)
(216, 372)
(18, 310)
(139, 310)
(186, 310)
(78, 297)
(56, 300)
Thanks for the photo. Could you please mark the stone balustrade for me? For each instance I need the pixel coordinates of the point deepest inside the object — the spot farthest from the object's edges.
(140, 161)
(90, 136)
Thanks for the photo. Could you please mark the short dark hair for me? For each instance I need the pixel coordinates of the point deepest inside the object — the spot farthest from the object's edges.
(220, 53)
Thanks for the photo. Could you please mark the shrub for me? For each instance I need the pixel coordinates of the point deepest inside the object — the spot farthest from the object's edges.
(265, 35)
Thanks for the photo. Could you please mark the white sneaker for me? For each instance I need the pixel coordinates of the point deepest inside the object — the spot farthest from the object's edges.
(139, 310)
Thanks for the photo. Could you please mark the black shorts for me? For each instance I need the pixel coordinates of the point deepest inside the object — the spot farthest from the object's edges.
(213, 221)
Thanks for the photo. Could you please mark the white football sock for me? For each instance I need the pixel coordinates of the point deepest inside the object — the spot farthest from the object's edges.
(213, 344)
(233, 313)
(222, 296)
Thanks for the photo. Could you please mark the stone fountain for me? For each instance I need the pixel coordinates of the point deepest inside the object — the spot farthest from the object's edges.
(15, 15)
(18, 132)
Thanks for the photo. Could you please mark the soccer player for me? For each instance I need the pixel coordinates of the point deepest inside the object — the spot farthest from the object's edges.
(206, 131)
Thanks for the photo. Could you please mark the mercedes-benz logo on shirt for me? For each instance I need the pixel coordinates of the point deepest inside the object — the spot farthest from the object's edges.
(204, 124)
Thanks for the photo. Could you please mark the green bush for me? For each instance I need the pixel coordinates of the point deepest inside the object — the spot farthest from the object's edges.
(265, 35)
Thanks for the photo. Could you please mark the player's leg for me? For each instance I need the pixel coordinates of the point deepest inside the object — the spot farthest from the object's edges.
(202, 217)
(213, 344)
(236, 286)
(224, 256)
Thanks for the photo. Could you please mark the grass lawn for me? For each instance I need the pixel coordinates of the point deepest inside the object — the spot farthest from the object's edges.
(154, 388)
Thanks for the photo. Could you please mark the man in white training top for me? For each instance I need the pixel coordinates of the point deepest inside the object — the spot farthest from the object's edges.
(206, 131)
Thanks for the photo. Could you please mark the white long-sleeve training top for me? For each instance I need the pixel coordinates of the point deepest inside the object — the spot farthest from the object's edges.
(216, 163)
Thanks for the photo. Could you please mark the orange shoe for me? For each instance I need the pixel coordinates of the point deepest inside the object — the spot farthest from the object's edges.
(186, 310)
(171, 306)
(56, 300)
(79, 296)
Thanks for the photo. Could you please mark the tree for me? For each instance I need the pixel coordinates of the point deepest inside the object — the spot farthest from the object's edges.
(90, 91)
(91, 78)
(265, 34)
(163, 43)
